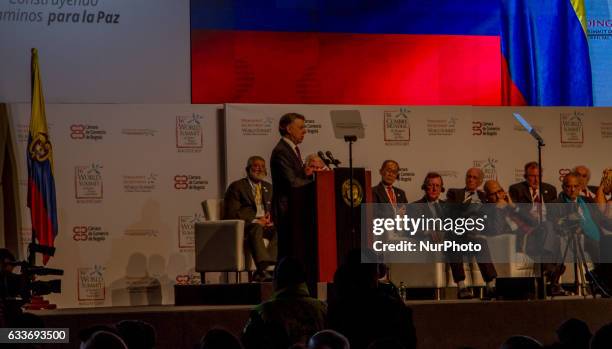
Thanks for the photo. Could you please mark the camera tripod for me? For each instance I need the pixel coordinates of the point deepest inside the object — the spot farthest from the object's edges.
(581, 268)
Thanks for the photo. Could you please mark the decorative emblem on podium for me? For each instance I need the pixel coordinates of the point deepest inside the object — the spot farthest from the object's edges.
(357, 193)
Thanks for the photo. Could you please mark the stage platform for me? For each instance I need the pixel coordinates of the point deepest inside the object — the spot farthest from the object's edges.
(439, 324)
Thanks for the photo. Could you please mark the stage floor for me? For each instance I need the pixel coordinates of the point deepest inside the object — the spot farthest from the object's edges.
(439, 324)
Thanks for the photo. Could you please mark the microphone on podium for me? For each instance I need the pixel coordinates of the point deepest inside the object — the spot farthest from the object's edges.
(334, 161)
(325, 160)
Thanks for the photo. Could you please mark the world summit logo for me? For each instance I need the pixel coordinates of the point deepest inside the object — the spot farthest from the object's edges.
(189, 133)
(488, 167)
(186, 230)
(396, 125)
(88, 183)
(91, 287)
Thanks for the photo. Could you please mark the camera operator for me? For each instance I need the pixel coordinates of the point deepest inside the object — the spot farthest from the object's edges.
(575, 214)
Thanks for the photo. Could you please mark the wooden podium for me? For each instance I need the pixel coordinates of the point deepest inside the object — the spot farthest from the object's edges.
(320, 225)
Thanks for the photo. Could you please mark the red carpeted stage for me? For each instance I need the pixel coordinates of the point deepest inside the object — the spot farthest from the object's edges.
(439, 324)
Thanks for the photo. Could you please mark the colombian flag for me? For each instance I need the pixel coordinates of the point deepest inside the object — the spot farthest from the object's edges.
(546, 53)
(41, 185)
(419, 52)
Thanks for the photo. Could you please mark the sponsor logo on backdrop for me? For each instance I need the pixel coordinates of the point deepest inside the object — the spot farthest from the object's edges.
(25, 237)
(442, 127)
(520, 128)
(572, 129)
(153, 233)
(93, 233)
(87, 132)
(91, 287)
(448, 174)
(606, 129)
(312, 127)
(397, 127)
(518, 174)
(146, 132)
(488, 167)
(189, 133)
(88, 183)
(484, 128)
(256, 126)
(188, 279)
(563, 172)
(186, 230)
(599, 28)
(190, 182)
(405, 175)
(140, 183)
(23, 132)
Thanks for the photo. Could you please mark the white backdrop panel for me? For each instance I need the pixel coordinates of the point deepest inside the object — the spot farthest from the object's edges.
(129, 180)
(444, 139)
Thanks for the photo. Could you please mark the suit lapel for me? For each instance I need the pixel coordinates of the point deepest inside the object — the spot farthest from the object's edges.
(382, 192)
(294, 158)
(248, 191)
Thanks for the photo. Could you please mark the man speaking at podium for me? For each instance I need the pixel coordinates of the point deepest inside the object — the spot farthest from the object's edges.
(288, 172)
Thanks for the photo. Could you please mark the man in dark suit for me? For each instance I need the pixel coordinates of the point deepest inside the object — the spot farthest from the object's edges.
(528, 191)
(385, 192)
(431, 205)
(467, 202)
(288, 172)
(249, 199)
(470, 193)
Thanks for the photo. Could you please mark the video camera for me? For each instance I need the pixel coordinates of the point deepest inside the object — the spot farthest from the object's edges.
(25, 285)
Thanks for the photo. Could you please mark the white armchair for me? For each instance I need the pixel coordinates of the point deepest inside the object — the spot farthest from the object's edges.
(219, 244)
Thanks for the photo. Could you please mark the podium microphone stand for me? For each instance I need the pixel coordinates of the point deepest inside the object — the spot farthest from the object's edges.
(540, 211)
(351, 139)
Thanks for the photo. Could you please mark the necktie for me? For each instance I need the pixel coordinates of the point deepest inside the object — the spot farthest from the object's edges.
(468, 197)
(391, 194)
(437, 210)
(535, 195)
(299, 155)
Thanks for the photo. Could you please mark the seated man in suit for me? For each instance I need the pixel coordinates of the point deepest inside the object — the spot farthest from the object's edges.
(466, 202)
(470, 194)
(385, 192)
(528, 191)
(433, 186)
(249, 199)
(506, 217)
